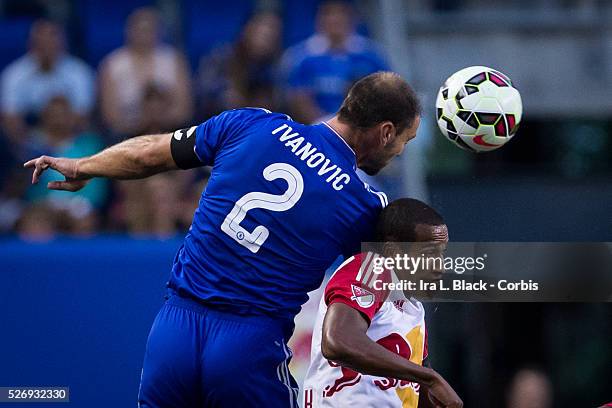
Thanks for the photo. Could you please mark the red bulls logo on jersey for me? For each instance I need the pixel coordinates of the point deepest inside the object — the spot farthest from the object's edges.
(363, 297)
(348, 378)
(393, 342)
(396, 343)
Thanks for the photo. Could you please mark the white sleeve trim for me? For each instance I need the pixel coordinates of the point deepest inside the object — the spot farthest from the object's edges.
(384, 201)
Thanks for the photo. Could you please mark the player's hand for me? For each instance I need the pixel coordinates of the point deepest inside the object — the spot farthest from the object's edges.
(67, 167)
(442, 394)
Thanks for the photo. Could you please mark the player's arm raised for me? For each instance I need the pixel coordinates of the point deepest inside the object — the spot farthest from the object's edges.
(344, 341)
(133, 158)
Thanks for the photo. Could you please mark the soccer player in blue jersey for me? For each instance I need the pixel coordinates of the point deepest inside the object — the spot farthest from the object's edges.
(282, 203)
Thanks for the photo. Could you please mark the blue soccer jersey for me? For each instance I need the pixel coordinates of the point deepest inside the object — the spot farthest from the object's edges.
(282, 203)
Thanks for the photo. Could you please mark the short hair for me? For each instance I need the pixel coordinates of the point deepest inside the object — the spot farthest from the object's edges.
(398, 221)
(379, 97)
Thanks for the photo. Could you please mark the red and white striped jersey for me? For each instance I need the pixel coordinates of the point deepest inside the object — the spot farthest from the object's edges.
(396, 324)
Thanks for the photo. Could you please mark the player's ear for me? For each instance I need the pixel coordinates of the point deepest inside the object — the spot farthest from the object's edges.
(387, 133)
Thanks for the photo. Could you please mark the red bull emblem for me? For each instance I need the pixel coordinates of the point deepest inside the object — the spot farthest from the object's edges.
(393, 342)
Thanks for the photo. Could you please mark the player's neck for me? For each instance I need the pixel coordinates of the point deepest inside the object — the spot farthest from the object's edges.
(345, 132)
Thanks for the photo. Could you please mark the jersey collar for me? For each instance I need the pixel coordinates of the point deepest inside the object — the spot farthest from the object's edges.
(350, 153)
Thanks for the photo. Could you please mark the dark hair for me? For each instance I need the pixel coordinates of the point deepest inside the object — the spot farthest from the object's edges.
(382, 96)
(399, 219)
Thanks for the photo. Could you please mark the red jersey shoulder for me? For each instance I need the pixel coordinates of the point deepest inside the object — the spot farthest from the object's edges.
(355, 284)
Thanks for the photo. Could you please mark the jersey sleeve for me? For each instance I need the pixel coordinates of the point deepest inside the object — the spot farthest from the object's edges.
(353, 284)
(199, 145)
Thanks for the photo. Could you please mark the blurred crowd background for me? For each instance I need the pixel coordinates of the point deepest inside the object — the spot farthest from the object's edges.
(79, 75)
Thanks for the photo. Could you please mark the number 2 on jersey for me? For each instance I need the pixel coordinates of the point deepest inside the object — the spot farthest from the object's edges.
(273, 202)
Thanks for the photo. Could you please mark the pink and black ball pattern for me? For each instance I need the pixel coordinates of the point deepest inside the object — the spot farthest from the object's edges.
(478, 109)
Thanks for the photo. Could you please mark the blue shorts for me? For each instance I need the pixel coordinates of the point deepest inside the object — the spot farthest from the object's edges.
(197, 356)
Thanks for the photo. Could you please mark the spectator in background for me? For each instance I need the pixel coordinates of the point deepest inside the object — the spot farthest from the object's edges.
(127, 72)
(530, 388)
(155, 206)
(320, 70)
(243, 74)
(38, 222)
(155, 116)
(58, 135)
(44, 72)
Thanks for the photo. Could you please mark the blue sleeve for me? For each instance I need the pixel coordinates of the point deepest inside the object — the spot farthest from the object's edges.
(212, 134)
(189, 151)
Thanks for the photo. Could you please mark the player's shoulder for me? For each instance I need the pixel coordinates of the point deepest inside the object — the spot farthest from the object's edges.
(354, 283)
(358, 268)
(244, 118)
(345, 276)
(251, 114)
(348, 266)
(375, 198)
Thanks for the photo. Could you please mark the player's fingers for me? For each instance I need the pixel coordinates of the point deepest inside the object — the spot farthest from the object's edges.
(41, 164)
(61, 185)
(30, 163)
(72, 185)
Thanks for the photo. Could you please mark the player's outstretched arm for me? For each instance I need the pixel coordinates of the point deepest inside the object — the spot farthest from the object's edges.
(134, 158)
(344, 341)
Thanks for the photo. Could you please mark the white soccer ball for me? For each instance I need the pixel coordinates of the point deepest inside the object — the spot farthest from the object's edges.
(478, 109)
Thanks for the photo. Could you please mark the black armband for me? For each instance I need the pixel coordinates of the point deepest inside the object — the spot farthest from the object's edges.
(182, 147)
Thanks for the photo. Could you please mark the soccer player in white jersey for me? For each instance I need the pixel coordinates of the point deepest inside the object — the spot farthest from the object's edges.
(369, 346)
